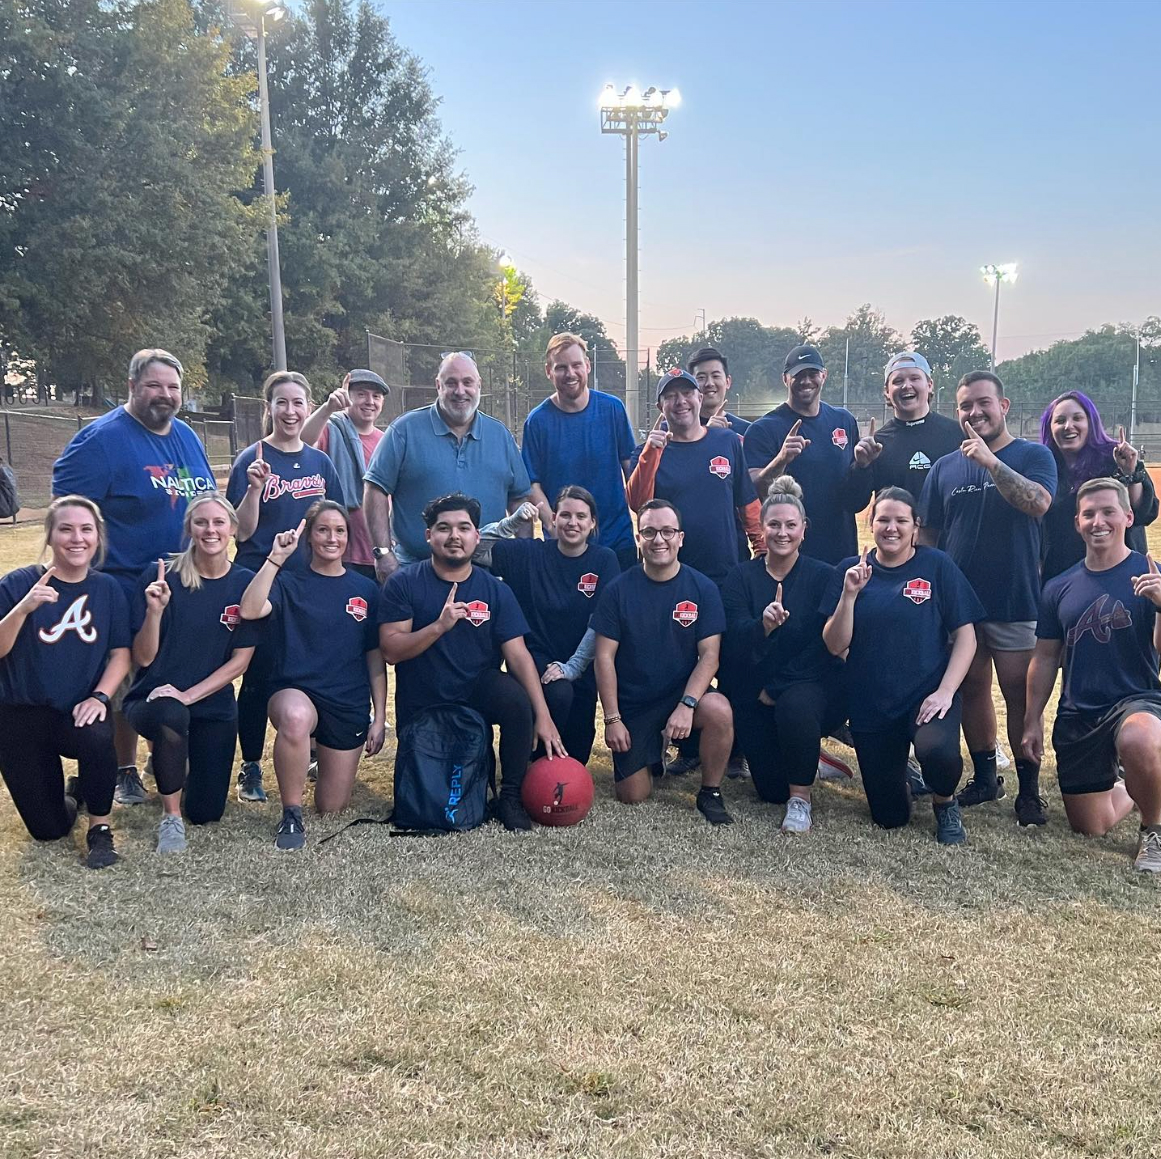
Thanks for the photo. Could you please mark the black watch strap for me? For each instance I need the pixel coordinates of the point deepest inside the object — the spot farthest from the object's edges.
(101, 697)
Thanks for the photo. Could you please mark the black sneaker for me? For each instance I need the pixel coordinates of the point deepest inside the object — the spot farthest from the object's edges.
(1031, 809)
(512, 814)
(101, 852)
(975, 792)
(712, 807)
(679, 766)
(291, 831)
(919, 787)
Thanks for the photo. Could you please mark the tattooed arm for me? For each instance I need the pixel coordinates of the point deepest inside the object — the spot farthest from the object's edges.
(1021, 493)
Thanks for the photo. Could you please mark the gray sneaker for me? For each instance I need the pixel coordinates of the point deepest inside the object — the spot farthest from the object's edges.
(949, 828)
(797, 819)
(1148, 859)
(919, 787)
(171, 834)
(680, 766)
(130, 790)
(250, 782)
(291, 832)
(738, 769)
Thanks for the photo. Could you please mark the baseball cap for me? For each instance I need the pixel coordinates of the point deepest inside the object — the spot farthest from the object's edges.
(803, 358)
(675, 375)
(904, 360)
(368, 378)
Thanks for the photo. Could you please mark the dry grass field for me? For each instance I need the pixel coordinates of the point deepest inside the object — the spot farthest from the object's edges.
(639, 986)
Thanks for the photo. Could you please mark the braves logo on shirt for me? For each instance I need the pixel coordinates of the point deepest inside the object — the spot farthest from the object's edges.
(231, 616)
(77, 618)
(357, 607)
(685, 613)
(306, 487)
(839, 437)
(719, 465)
(478, 613)
(587, 584)
(1100, 623)
(918, 591)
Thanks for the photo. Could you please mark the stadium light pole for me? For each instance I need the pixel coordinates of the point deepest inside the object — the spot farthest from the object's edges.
(997, 274)
(632, 114)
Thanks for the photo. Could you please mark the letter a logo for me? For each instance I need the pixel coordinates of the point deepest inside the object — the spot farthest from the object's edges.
(76, 619)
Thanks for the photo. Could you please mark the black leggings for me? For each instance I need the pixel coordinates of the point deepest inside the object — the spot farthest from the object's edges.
(500, 700)
(252, 701)
(883, 762)
(782, 741)
(32, 742)
(208, 746)
(573, 705)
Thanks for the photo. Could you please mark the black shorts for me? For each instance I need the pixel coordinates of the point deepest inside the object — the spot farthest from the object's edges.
(1086, 743)
(339, 726)
(646, 746)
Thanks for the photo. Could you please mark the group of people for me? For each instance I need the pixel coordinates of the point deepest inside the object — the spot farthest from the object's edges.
(705, 584)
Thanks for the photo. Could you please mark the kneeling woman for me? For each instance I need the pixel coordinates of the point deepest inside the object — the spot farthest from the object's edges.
(892, 612)
(783, 682)
(324, 631)
(64, 649)
(192, 644)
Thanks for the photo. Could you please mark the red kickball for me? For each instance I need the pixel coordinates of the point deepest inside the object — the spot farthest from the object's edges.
(557, 791)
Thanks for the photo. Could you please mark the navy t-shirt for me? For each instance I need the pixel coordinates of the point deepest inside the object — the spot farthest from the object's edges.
(585, 447)
(557, 594)
(295, 481)
(822, 470)
(447, 672)
(900, 647)
(62, 649)
(658, 625)
(1107, 633)
(198, 633)
(708, 482)
(322, 627)
(793, 653)
(993, 544)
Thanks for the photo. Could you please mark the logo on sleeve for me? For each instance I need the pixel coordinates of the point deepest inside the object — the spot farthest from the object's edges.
(478, 613)
(357, 607)
(719, 465)
(685, 613)
(77, 618)
(839, 437)
(231, 616)
(587, 584)
(918, 591)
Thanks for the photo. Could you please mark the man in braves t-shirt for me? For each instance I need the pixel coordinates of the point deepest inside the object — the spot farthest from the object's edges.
(813, 441)
(445, 625)
(659, 630)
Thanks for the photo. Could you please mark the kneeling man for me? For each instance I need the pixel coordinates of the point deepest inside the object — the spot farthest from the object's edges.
(1103, 615)
(659, 630)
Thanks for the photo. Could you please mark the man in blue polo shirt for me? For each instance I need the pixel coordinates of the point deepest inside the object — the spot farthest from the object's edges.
(448, 446)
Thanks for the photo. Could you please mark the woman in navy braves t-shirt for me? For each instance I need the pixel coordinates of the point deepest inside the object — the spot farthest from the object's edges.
(892, 613)
(191, 644)
(324, 624)
(557, 583)
(64, 649)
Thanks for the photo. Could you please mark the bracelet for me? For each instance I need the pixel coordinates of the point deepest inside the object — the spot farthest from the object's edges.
(100, 697)
(614, 719)
(1138, 476)
(273, 564)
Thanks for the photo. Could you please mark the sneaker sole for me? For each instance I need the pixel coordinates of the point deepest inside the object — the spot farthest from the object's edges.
(134, 800)
(251, 795)
(284, 848)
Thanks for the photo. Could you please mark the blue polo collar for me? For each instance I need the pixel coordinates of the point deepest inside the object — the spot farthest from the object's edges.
(441, 428)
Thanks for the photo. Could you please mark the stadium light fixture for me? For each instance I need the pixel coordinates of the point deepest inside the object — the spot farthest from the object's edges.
(995, 275)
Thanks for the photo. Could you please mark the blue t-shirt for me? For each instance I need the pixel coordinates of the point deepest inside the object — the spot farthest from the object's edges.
(900, 647)
(708, 482)
(586, 447)
(993, 544)
(658, 625)
(62, 649)
(822, 470)
(447, 672)
(296, 480)
(556, 593)
(1107, 633)
(140, 480)
(322, 627)
(199, 631)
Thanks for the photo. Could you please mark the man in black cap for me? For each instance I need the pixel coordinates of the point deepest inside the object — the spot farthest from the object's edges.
(344, 429)
(815, 442)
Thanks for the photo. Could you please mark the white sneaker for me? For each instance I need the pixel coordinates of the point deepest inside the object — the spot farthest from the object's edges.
(797, 819)
(1003, 761)
(832, 769)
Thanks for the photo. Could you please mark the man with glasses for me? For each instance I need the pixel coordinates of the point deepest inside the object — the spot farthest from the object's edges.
(442, 448)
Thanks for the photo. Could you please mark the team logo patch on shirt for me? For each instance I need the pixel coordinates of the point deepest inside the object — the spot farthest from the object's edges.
(478, 613)
(587, 584)
(357, 607)
(685, 613)
(918, 591)
(719, 465)
(839, 437)
(231, 616)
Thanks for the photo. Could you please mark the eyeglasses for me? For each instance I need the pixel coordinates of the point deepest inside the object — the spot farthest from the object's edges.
(455, 353)
(666, 533)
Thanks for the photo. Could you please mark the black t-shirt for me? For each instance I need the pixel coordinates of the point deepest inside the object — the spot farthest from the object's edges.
(793, 653)
(909, 451)
(1107, 633)
(199, 631)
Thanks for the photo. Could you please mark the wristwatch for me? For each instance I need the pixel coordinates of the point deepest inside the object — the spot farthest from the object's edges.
(380, 552)
(99, 696)
(689, 701)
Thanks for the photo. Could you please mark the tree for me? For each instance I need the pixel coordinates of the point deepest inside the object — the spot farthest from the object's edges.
(953, 346)
(872, 342)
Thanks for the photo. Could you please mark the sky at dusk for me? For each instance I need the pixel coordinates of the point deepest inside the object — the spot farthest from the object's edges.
(825, 155)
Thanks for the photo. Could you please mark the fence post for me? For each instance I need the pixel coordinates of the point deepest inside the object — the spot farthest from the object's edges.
(8, 438)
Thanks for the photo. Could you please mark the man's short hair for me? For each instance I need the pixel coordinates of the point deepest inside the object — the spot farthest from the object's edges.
(141, 361)
(1105, 485)
(708, 354)
(559, 342)
(456, 501)
(974, 376)
(660, 505)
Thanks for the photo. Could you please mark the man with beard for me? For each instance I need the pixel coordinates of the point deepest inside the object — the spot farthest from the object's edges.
(445, 447)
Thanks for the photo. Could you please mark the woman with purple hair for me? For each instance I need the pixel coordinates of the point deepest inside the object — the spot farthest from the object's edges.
(1072, 430)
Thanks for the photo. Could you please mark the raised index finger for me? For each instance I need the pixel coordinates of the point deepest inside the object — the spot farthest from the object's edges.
(451, 596)
(161, 571)
(866, 552)
(1120, 434)
(871, 432)
(49, 572)
(778, 595)
(660, 420)
(258, 453)
(1152, 562)
(969, 430)
(794, 429)
(299, 529)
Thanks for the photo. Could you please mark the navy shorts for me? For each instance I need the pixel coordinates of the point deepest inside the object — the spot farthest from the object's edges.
(1086, 743)
(646, 746)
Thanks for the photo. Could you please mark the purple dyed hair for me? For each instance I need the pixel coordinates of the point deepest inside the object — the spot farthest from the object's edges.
(1093, 459)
